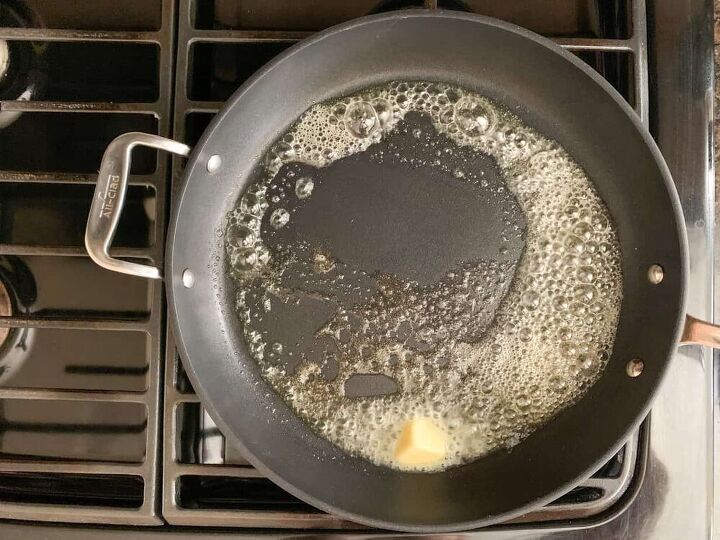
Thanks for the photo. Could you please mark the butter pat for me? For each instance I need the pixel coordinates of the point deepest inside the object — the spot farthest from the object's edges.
(421, 442)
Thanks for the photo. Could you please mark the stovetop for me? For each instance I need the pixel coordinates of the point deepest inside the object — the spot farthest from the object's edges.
(98, 423)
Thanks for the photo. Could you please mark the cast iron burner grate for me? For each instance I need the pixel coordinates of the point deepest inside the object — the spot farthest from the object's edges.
(81, 432)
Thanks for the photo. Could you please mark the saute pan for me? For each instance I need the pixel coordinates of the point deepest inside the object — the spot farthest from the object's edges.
(550, 90)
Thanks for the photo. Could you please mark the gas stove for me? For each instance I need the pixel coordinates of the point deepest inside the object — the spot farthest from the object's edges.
(99, 425)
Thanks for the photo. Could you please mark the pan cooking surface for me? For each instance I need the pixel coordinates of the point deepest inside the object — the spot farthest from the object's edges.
(416, 251)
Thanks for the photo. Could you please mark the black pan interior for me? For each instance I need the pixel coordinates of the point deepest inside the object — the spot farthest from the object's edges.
(387, 214)
(551, 91)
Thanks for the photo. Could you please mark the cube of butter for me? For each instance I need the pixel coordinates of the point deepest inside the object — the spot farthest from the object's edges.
(421, 442)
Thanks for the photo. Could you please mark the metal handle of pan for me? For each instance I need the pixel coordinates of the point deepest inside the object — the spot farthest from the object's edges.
(699, 332)
(109, 199)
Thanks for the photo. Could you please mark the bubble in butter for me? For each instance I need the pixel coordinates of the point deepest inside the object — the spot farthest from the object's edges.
(421, 443)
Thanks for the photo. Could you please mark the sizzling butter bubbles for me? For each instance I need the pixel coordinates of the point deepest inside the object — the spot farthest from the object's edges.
(487, 385)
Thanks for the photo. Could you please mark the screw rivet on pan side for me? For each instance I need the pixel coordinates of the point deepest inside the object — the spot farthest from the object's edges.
(634, 367)
(188, 279)
(213, 163)
(655, 274)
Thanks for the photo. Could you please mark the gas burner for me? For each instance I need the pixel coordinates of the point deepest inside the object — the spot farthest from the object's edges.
(21, 73)
(17, 294)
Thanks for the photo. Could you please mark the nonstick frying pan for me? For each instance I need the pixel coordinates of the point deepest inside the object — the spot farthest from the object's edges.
(550, 90)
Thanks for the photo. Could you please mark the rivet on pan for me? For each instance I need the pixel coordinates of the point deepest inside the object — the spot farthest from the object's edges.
(213, 163)
(188, 278)
(656, 274)
(634, 367)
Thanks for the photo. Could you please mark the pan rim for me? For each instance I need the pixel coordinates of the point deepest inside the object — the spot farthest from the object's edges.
(287, 56)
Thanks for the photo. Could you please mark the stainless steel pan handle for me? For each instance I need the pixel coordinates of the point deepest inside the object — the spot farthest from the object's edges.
(109, 199)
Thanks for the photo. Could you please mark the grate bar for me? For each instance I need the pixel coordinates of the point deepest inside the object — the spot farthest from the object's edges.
(604, 484)
(78, 106)
(184, 469)
(74, 323)
(592, 44)
(640, 61)
(246, 36)
(71, 251)
(72, 467)
(203, 106)
(105, 396)
(179, 398)
(251, 36)
(613, 489)
(143, 515)
(256, 519)
(47, 34)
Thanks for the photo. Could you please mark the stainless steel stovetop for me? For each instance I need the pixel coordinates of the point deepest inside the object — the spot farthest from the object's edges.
(99, 425)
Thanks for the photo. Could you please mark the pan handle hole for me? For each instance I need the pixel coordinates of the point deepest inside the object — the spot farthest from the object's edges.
(656, 273)
(188, 278)
(213, 163)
